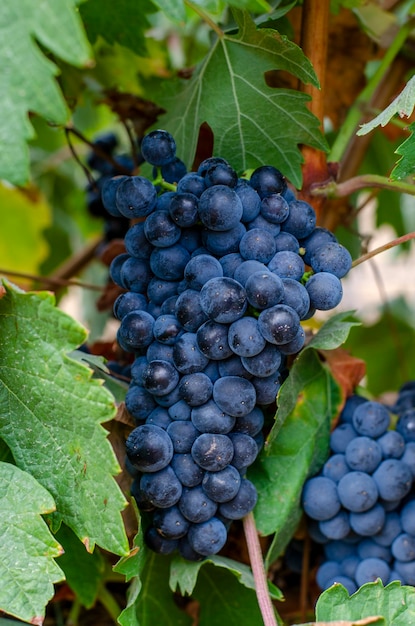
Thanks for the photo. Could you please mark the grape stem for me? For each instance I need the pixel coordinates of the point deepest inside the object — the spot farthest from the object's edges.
(258, 570)
(332, 189)
(386, 246)
(54, 282)
(205, 17)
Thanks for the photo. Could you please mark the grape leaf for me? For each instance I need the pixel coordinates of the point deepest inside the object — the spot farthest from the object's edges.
(176, 9)
(299, 450)
(403, 105)
(406, 165)
(253, 120)
(395, 603)
(224, 601)
(51, 412)
(125, 25)
(183, 574)
(27, 78)
(334, 332)
(83, 571)
(27, 566)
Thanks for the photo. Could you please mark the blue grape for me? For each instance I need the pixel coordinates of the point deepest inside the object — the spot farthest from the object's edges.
(196, 506)
(320, 498)
(108, 194)
(348, 566)
(212, 451)
(251, 202)
(220, 174)
(174, 171)
(160, 377)
(318, 237)
(208, 537)
(296, 296)
(245, 450)
(223, 299)
(127, 302)
(267, 180)
(274, 208)
(159, 544)
(223, 242)
(160, 230)
(158, 147)
(287, 264)
(245, 338)
(187, 356)
(196, 389)
(222, 486)
(167, 329)
(339, 550)
(139, 402)
(246, 269)
(337, 527)
(159, 417)
(371, 419)
(244, 501)
(295, 345)
(136, 330)
(135, 197)
(136, 274)
(170, 523)
(406, 425)
(392, 527)
(346, 582)
(183, 435)
(169, 399)
(325, 291)
(220, 208)
(357, 491)
(115, 268)
(335, 467)
(408, 457)
(331, 257)
(392, 445)
(364, 454)
(326, 572)
(264, 364)
(236, 396)
(393, 479)
(157, 350)
(180, 410)
(341, 437)
(191, 239)
(200, 269)
(264, 289)
(403, 547)
(191, 183)
(368, 549)
(230, 262)
(257, 244)
(370, 569)
(266, 388)
(279, 324)
(187, 470)
(136, 243)
(250, 424)
(158, 290)
(209, 418)
(368, 523)
(183, 210)
(164, 200)
(169, 263)
(163, 489)
(301, 220)
(149, 448)
(408, 517)
(212, 339)
(405, 571)
(286, 241)
(188, 310)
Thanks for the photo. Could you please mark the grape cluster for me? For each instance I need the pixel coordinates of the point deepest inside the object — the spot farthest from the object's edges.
(362, 503)
(216, 288)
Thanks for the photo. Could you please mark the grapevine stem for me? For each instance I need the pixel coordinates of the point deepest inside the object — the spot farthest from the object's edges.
(338, 190)
(351, 123)
(386, 246)
(205, 17)
(101, 153)
(258, 570)
(109, 602)
(60, 282)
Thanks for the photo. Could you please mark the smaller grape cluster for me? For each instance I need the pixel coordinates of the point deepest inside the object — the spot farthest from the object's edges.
(216, 288)
(361, 505)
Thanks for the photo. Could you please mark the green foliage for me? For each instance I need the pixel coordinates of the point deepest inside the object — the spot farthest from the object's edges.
(406, 165)
(28, 25)
(234, 71)
(51, 414)
(27, 566)
(176, 9)
(394, 604)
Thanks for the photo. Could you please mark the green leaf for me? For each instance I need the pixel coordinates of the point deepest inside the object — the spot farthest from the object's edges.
(27, 79)
(27, 566)
(176, 9)
(51, 412)
(254, 124)
(403, 105)
(299, 450)
(126, 25)
(28, 215)
(83, 571)
(394, 603)
(334, 332)
(406, 165)
(224, 601)
(183, 574)
(117, 387)
(150, 600)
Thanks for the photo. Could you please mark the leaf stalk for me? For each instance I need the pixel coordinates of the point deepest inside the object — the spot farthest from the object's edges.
(205, 17)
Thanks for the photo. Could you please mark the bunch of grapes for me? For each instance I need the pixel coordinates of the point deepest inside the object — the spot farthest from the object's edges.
(362, 504)
(219, 272)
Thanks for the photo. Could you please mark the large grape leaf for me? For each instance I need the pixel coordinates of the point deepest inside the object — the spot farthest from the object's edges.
(51, 411)
(27, 566)
(394, 603)
(27, 81)
(126, 24)
(406, 165)
(253, 124)
(299, 450)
